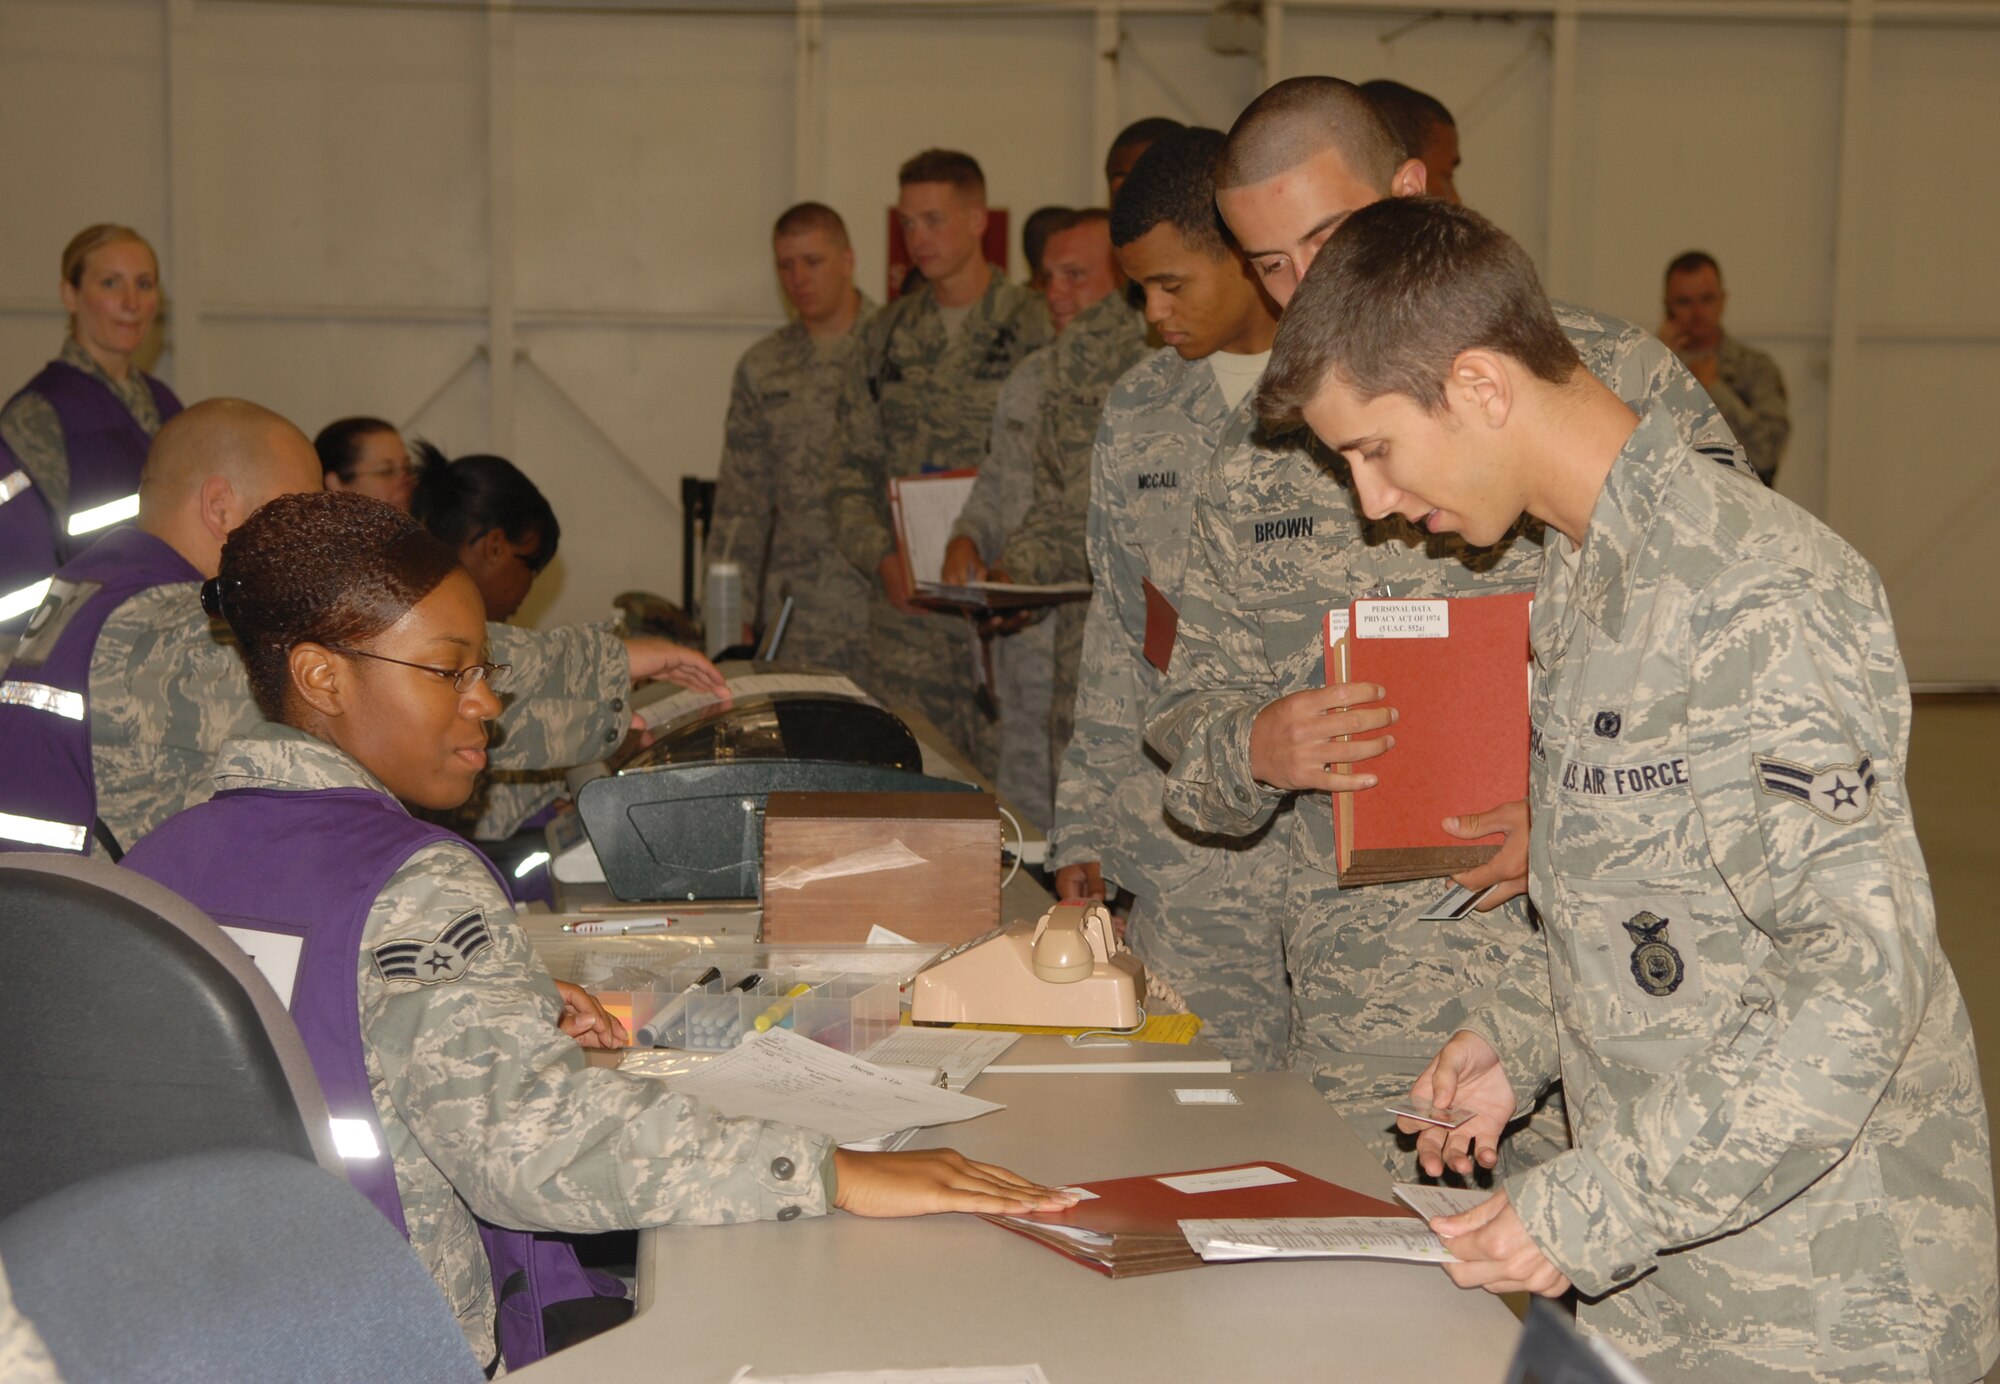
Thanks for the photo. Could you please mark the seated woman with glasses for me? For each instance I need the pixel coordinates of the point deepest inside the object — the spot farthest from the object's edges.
(493, 518)
(369, 457)
(366, 645)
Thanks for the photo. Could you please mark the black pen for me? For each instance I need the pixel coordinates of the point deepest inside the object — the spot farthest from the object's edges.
(748, 983)
(656, 1027)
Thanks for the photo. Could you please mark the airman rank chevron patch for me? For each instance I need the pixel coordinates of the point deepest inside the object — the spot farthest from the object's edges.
(439, 961)
(1841, 793)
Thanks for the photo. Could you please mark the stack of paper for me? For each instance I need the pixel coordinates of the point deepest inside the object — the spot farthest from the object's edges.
(1003, 595)
(1132, 1225)
(779, 1075)
(1328, 1237)
(925, 508)
(961, 1054)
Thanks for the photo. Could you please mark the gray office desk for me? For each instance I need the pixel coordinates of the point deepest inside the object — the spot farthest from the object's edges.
(846, 1293)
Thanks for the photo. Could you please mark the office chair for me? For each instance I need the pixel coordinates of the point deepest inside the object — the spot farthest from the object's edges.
(132, 1030)
(237, 1264)
(1553, 1351)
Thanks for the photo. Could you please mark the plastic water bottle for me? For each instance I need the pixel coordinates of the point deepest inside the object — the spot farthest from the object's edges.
(723, 613)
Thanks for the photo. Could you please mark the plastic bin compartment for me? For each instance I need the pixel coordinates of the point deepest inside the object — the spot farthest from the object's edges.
(848, 1012)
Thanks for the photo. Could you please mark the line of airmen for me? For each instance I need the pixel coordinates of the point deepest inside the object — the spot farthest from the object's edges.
(1200, 783)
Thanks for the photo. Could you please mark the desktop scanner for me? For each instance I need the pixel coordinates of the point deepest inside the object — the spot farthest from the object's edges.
(1067, 969)
(681, 817)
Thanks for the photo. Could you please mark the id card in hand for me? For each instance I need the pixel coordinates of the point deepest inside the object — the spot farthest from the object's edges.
(1449, 1117)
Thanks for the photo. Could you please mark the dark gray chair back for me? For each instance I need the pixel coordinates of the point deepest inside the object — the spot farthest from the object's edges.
(133, 1029)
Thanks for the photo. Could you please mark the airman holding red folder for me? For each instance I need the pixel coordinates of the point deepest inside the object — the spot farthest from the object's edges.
(1246, 719)
(1781, 1167)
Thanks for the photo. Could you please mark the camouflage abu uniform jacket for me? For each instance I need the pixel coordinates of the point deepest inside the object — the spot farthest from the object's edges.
(1750, 391)
(770, 499)
(1024, 660)
(1277, 542)
(167, 688)
(488, 1108)
(1101, 343)
(1207, 916)
(918, 398)
(1781, 1167)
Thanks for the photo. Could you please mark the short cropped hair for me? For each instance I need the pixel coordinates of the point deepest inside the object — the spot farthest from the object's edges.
(810, 216)
(1082, 216)
(1410, 114)
(1146, 131)
(330, 567)
(944, 166)
(93, 238)
(1299, 117)
(1041, 223)
(1395, 295)
(1694, 260)
(1174, 183)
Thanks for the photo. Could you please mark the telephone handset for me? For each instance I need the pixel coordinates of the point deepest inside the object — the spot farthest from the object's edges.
(1067, 970)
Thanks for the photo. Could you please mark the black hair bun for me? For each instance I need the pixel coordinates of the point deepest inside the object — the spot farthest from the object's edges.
(212, 596)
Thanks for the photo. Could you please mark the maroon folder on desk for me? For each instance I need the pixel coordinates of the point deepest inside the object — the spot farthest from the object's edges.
(1137, 1219)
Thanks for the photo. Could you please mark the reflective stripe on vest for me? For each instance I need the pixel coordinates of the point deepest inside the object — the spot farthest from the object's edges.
(355, 1138)
(103, 516)
(33, 831)
(13, 603)
(13, 485)
(43, 697)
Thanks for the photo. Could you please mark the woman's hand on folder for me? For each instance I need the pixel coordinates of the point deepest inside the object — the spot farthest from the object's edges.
(1296, 744)
(921, 1182)
(1506, 874)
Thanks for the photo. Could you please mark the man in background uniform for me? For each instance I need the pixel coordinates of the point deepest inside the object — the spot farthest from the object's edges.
(1746, 384)
(1423, 126)
(1205, 911)
(1246, 718)
(1079, 272)
(918, 397)
(770, 498)
(1781, 1168)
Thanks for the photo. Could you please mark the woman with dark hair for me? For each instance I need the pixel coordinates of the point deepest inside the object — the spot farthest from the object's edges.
(365, 644)
(73, 439)
(493, 518)
(367, 455)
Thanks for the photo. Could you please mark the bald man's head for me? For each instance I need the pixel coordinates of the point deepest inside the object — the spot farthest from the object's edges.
(211, 466)
(1302, 117)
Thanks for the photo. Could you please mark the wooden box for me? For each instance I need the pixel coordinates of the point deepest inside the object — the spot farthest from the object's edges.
(923, 865)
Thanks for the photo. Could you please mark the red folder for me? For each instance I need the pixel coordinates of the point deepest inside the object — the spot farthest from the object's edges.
(1141, 1216)
(1163, 623)
(1456, 670)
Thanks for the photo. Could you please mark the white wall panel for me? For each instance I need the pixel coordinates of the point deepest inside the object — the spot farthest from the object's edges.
(653, 157)
(1165, 67)
(1015, 93)
(81, 97)
(341, 156)
(1492, 74)
(316, 371)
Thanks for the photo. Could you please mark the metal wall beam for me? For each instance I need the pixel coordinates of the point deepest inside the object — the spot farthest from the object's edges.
(1559, 248)
(500, 166)
(1846, 384)
(183, 267)
(808, 103)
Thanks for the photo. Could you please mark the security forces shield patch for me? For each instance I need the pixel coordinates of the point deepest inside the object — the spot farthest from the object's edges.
(442, 959)
(1840, 793)
(1655, 964)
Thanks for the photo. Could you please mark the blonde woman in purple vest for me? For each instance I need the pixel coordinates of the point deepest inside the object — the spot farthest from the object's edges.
(73, 439)
(431, 1023)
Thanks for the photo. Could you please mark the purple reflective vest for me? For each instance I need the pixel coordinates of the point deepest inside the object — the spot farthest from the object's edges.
(310, 864)
(48, 793)
(106, 448)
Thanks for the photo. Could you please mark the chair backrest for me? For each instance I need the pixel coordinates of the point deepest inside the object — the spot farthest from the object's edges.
(131, 1029)
(1553, 1351)
(232, 1265)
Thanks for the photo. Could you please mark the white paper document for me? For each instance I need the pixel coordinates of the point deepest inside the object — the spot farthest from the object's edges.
(1315, 1237)
(276, 955)
(950, 1374)
(961, 1053)
(1430, 1202)
(778, 1075)
(1225, 1181)
(925, 508)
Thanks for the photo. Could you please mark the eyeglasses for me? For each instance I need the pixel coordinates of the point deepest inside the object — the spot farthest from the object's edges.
(462, 680)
